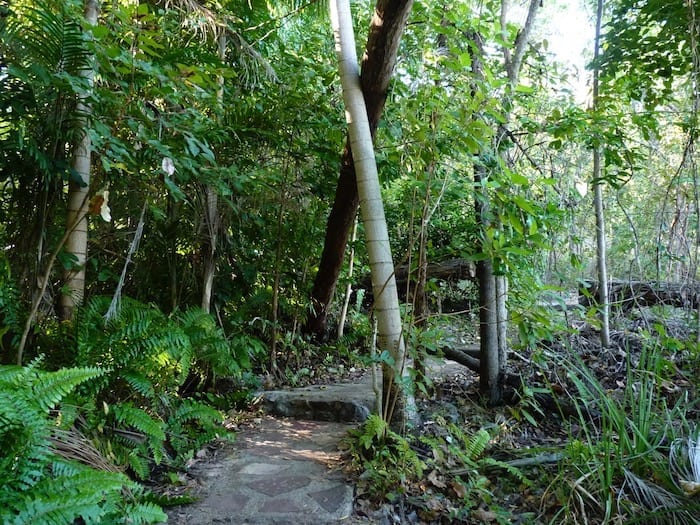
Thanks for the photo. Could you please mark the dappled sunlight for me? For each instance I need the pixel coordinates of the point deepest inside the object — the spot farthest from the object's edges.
(295, 439)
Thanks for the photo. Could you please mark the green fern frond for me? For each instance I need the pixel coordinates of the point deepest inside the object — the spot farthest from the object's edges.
(131, 416)
(513, 471)
(191, 410)
(37, 485)
(475, 445)
(88, 494)
(140, 341)
(210, 346)
(140, 383)
(141, 513)
(376, 427)
(138, 464)
(49, 388)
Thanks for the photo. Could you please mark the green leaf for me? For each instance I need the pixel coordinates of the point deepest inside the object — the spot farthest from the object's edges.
(519, 179)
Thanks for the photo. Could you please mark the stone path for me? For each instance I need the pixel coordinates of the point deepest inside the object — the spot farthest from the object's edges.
(281, 472)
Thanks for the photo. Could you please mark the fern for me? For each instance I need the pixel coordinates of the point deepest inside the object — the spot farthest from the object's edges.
(140, 344)
(139, 513)
(150, 356)
(475, 445)
(131, 416)
(510, 469)
(38, 485)
(211, 348)
(190, 410)
(50, 389)
(140, 383)
(191, 425)
(144, 447)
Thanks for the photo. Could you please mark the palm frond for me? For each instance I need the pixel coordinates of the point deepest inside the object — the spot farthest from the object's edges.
(253, 67)
(198, 17)
(46, 38)
(653, 503)
(684, 459)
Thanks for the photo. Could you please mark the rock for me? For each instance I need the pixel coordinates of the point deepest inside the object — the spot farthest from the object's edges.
(351, 402)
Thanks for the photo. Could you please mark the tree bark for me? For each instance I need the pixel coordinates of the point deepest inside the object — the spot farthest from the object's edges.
(488, 317)
(389, 325)
(211, 207)
(348, 288)
(76, 216)
(378, 62)
(601, 242)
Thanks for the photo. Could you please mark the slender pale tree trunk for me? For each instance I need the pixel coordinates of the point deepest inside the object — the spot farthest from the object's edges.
(386, 307)
(694, 31)
(211, 206)
(76, 217)
(493, 289)
(348, 288)
(378, 62)
(598, 201)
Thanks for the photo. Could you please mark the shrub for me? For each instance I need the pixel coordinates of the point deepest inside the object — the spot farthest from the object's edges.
(40, 486)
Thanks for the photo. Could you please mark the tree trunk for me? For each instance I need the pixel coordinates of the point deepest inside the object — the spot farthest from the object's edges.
(76, 216)
(211, 207)
(601, 242)
(488, 316)
(389, 326)
(211, 220)
(378, 62)
(493, 290)
(348, 288)
(501, 283)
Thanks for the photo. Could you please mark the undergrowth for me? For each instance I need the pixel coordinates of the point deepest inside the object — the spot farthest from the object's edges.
(618, 464)
(122, 404)
(136, 410)
(39, 486)
(439, 476)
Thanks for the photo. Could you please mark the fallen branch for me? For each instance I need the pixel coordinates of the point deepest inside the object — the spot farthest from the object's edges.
(462, 356)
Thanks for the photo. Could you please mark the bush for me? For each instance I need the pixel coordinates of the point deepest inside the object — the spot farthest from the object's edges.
(136, 408)
(40, 486)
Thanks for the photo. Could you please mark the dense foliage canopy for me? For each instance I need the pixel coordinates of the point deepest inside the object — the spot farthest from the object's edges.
(216, 130)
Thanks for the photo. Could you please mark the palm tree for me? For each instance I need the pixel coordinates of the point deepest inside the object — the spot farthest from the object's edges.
(78, 194)
(389, 326)
(44, 119)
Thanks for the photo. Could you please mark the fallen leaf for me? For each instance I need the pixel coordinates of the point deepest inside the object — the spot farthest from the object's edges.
(459, 489)
(435, 480)
(485, 516)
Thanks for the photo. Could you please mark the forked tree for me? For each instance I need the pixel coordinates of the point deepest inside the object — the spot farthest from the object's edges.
(388, 23)
(386, 307)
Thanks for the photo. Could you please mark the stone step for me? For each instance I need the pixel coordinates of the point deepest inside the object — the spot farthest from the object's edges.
(342, 402)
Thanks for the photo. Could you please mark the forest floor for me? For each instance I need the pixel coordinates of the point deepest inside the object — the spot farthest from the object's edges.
(532, 427)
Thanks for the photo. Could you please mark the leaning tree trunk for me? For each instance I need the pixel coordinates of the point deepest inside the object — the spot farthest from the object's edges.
(389, 327)
(385, 31)
(598, 201)
(76, 217)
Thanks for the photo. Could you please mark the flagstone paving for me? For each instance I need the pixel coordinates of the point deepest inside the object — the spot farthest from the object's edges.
(284, 471)
(281, 472)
